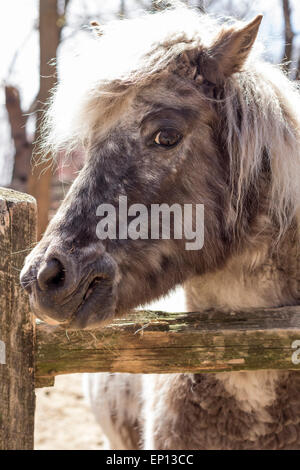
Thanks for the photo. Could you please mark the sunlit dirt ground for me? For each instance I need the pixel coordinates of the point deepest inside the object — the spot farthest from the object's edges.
(63, 419)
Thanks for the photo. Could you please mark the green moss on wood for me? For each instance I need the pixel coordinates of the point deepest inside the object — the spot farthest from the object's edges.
(158, 342)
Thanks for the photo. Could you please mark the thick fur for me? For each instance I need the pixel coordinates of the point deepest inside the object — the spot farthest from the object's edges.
(240, 157)
(238, 410)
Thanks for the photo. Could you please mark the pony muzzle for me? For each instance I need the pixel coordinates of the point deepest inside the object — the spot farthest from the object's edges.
(71, 290)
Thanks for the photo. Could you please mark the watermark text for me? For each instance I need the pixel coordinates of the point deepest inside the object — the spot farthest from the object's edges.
(159, 221)
(296, 354)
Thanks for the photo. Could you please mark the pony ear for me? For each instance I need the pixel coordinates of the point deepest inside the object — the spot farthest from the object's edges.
(229, 51)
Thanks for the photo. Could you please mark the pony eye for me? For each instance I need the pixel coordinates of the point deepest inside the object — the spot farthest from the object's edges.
(167, 137)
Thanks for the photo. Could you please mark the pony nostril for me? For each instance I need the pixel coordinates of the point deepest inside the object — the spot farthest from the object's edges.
(51, 275)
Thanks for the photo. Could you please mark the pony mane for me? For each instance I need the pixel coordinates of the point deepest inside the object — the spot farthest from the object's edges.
(262, 109)
(261, 106)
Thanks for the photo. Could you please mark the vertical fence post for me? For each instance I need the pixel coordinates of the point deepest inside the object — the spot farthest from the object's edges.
(17, 395)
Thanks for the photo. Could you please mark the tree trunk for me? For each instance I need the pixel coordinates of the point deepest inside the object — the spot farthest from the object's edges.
(40, 179)
(288, 34)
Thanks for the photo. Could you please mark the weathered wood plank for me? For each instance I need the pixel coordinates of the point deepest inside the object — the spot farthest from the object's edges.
(157, 342)
(17, 396)
(42, 382)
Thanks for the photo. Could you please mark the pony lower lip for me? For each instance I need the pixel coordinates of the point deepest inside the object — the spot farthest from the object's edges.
(92, 286)
(80, 318)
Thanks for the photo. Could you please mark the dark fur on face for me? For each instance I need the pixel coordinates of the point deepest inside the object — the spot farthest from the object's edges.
(93, 280)
(127, 162)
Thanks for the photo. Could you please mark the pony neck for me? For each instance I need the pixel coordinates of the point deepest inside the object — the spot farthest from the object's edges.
(259, 274)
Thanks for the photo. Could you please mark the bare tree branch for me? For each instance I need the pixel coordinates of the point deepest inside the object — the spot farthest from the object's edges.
(17, 53)
(289, 35)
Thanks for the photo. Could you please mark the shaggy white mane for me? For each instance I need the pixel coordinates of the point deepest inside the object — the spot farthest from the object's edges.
(128, 51)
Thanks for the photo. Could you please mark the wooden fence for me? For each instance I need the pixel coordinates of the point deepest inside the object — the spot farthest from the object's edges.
(33, 353)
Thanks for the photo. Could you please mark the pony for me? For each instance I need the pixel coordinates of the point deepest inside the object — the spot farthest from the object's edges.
(177, 108)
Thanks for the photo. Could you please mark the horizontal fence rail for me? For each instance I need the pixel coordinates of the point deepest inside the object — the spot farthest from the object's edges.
(158, 342)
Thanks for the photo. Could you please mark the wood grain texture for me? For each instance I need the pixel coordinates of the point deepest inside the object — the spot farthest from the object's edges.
(157, 342)
(17, 396)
